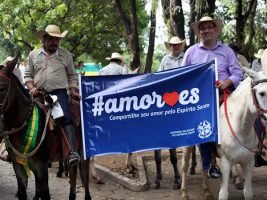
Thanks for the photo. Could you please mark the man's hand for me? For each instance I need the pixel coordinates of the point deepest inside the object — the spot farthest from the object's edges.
(75, 94)
(223, 84)
(34, 91)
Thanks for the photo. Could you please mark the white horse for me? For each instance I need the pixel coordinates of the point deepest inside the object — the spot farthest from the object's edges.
(238, 140)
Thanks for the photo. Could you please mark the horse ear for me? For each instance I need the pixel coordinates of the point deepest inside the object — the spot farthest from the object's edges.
(12, 64)
(251, 73)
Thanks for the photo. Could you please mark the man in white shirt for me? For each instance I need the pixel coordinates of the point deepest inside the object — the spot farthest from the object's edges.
(175, 57)
(115, 67)
(256, 64)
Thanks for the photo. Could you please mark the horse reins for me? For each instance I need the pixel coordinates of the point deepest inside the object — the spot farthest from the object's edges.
(260, 113)
(6, 134)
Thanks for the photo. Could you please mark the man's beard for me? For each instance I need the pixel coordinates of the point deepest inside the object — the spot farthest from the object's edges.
(51, 48)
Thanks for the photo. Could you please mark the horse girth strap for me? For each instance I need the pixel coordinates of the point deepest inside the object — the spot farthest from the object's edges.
(27, 155)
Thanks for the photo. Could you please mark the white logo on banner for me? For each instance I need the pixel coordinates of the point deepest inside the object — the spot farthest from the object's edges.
(204, 129)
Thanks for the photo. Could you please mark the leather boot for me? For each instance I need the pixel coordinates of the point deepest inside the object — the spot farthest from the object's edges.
(73, 157)
(259, 161)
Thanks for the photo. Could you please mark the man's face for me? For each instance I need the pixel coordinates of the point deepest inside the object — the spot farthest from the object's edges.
(176, 48)
(51, 43)
(207, 31)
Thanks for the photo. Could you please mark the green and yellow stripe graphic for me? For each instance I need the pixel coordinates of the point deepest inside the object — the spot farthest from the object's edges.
(29, 141)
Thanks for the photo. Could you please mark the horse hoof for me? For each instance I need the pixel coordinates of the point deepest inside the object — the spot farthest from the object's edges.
(239, 186)
(176, 186)
(156, 185)
(185, 198)
(99, 182)
(192, 171)
(209, 197)
(59, 175)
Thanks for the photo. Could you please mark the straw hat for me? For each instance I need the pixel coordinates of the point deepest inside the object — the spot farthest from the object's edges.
(259, 54)
(174, 40)
(217, 22)
(51, 30)
(7, 60)
(115, 55)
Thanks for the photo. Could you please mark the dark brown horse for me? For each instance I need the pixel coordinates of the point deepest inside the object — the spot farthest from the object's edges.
(24, 125)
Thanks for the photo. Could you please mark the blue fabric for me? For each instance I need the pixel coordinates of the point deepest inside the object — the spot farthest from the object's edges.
(63, 101)
(168, 109)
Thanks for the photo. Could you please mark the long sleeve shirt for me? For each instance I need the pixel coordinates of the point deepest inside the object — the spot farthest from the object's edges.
(170, 62)
(51, 72)
(228, 67)
(112, 68)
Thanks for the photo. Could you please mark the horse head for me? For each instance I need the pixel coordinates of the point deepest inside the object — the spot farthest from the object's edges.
(259, 91)
(15, 103)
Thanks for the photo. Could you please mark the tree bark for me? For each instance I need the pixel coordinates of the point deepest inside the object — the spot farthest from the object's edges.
(131, 30)
(151, 44)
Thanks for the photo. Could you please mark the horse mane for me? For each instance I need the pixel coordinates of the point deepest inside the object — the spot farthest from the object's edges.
(20, 86)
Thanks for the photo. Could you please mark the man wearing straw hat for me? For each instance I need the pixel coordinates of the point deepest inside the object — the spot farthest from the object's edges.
(115, 67)
(173, 59)
(51, 68)
(229, 72)
(256, 63)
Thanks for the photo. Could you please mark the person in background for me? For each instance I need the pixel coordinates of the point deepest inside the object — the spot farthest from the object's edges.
(51, 68)
(229, 73)
(115, 67)
(242, 61)
(175, 57)
(256, 63)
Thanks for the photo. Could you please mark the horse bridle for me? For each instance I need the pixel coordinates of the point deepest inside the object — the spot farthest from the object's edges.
(260, 111)
(3, 132)
(260, 114)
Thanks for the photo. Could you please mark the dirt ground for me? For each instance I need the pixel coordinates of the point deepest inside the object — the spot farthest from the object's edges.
(118, 163)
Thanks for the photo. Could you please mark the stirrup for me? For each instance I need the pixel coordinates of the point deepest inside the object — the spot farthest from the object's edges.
(73, 159)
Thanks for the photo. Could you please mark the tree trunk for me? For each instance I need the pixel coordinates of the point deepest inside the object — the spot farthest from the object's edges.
(173, 17)
(192, 18)
(177, 19)
(242, 15)
(152, 34)
(131, 30)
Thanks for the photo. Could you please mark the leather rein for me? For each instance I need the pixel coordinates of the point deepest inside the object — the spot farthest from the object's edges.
(5, 133)
(260, 114)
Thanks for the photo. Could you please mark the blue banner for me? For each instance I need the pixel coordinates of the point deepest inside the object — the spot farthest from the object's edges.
(168, 109)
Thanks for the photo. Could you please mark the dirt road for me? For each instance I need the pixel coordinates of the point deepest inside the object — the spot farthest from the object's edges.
(113, 191)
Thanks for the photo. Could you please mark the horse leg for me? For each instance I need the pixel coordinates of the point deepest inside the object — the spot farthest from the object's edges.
(157, 155)
(185, 166)
(247, 171)
(129, 163)
(93, 173)
(173, 157)
(60, 169)
(236, 175)
(84, 173)
(41, 181)
(205, 185)
(22, 181)
(226, 167)
(193, 161)
(72, 178)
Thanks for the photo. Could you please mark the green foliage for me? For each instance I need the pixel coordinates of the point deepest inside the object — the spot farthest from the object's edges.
(94, 27)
